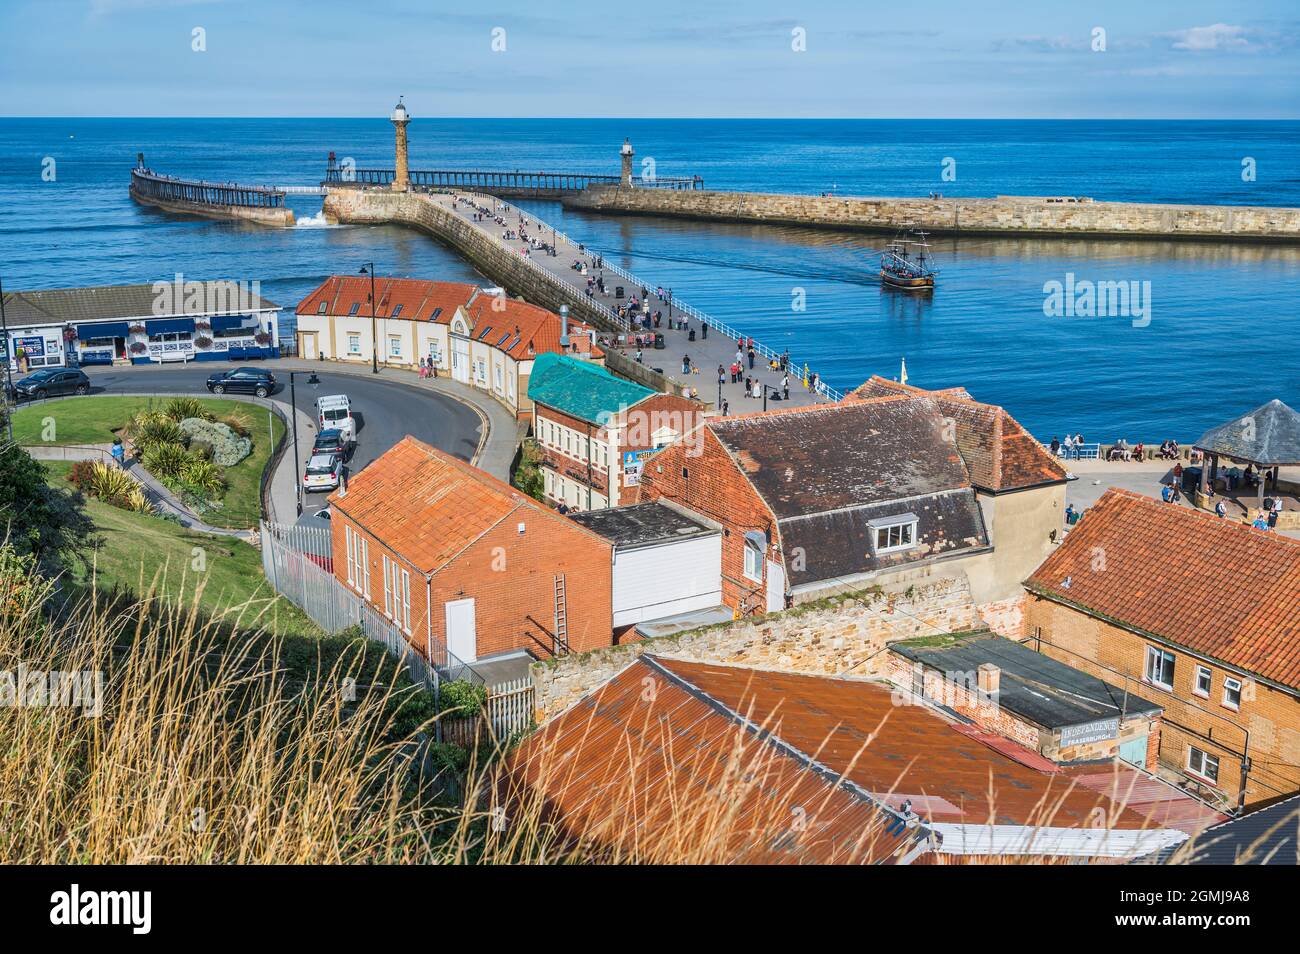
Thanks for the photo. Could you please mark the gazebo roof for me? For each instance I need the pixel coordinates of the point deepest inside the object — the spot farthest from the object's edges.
(1268, 436)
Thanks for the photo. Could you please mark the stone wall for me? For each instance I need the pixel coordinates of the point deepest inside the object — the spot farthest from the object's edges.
(275, 217)
(1020, 215)
(842, 636)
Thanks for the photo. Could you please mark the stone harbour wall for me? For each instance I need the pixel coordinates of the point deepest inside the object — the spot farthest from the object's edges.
(1019, 215)
(845, 635)
(277, 218)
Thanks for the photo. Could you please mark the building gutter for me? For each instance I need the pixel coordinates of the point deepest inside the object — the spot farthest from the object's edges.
(1042, 841)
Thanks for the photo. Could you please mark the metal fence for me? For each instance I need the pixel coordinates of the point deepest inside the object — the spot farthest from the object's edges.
(620, 321)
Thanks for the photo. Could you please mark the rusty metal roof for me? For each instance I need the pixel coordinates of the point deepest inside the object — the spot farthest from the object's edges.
(649, 751)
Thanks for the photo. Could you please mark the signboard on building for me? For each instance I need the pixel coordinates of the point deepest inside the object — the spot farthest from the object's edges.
(1098, 731)
(633, 461)
(33, 345)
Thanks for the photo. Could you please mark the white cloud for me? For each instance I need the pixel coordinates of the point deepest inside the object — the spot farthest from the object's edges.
(1217, 36)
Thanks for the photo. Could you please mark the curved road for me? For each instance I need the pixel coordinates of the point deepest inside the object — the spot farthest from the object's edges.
(385, 411)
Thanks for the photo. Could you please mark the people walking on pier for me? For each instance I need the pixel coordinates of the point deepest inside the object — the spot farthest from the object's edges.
(785, 387)
(749, 385)
(751, 354)
(704, 333)
(638, 356)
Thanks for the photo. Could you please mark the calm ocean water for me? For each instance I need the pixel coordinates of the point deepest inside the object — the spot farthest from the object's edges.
(1223, 322)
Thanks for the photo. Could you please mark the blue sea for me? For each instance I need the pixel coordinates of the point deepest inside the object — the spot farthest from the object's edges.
(1222, 331)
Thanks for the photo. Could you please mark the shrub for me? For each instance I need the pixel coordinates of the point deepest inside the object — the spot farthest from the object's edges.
(200, 449)
(111, 484)
(149, 429)
(228, 448)
(203, 475)
(136, 501)
(239, 422)
(166, 461)
(462, 698)
(179, 408)
(81, 475)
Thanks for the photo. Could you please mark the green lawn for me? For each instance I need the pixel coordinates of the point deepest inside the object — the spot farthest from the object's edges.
(131, 550)
(92, 420)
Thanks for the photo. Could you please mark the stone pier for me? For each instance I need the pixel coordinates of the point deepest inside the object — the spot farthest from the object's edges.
(1030, 216)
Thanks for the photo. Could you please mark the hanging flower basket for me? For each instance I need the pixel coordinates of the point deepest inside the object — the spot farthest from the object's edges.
(139, 347)
(262, 338)
(202, 325)
(136, 329)
(203, 341)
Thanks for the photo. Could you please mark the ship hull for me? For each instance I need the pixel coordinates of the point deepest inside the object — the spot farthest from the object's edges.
(920, 283)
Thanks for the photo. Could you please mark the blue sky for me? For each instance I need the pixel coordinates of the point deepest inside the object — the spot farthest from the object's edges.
(936, 58)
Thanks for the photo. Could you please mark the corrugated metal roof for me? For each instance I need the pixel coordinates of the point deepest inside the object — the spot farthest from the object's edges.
(647, 754)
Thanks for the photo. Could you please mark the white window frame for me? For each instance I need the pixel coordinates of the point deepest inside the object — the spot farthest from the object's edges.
(365, 566)
(906, 530)
(1203, 672)
(352, 563)
(754, 573)
(354, 344)
(1227, 687)
(1156, 653)
(388, 593)
(394, 346)
(406, 601)
(1200, 767)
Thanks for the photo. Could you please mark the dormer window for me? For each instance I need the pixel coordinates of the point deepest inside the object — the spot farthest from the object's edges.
(323, 306)
(894, 533)
(356, 306)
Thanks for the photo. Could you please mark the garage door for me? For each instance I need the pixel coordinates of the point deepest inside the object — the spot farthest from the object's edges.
(667, 578)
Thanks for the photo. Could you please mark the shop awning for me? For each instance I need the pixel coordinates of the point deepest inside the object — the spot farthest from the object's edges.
(163, 326)
(104, 329)
(225, 322)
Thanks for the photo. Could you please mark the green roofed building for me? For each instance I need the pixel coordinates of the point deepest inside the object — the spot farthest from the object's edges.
(595, 430)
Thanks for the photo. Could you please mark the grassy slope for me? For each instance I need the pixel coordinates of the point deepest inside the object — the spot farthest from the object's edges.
(130, 549)
(92, 420)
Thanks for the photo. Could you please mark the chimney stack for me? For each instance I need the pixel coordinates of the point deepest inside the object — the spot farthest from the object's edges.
(990, 678)
(564, 326)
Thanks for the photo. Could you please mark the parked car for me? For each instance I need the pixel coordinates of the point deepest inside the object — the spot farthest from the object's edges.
(331, 440)
(323, 472)
(50, 383)
(243, 381)
(334, 411)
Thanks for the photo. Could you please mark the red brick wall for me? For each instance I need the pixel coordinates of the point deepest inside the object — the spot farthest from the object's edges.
(714, 488)
(1270, 716)
(511, 577)
(663, 410)
(572, 465)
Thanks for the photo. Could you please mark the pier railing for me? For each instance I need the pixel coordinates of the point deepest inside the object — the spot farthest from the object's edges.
(500, 182)
(620, 321)
(162, 188)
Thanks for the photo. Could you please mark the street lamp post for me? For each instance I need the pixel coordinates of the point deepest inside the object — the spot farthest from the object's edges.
(293, 417)
(369, 269)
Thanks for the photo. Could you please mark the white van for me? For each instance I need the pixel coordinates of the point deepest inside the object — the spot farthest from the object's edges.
(335, 411)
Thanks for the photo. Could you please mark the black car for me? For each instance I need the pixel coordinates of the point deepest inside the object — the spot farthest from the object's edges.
(330, 441)
(50, 383)
(243, 381)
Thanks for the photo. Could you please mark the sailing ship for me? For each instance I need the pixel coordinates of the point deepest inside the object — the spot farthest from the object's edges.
(905, 263)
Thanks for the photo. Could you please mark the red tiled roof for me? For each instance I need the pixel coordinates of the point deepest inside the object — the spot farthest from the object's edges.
(1216, 587)
(999, 453)
(421, 300)
(675, 741)
(533, 329)
(426, 505)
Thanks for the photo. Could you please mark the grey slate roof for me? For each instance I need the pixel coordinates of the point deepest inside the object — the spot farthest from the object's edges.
(641, 524)
(97, 303)
(843, 455)
(1269, 836)
(827, 472)
(1035, 687)
(1268, 435)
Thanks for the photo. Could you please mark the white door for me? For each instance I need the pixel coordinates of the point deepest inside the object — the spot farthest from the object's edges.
(461, 641)
(309, 347)
(775, 587)
(460, 360)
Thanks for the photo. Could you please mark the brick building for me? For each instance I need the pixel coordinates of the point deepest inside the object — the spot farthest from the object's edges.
(876, 490)
(463, 563)
(594, 429)
(478, 337)
(1200, 615)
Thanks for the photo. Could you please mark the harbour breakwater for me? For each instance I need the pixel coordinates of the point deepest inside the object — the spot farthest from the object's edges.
(212, 200)
(1031, 216)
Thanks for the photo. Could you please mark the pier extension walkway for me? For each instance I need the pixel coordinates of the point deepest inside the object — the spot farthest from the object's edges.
(706, 354)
